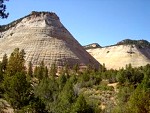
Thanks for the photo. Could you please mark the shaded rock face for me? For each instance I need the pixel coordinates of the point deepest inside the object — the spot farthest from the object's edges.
(119, 56)
(44, 38)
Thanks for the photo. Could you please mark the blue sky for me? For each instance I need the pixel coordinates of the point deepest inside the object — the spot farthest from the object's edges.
(103, 21)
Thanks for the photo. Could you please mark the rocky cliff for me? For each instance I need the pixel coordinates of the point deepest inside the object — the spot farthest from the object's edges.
(44, 38)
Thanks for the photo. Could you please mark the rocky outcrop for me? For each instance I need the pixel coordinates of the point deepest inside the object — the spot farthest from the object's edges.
(44, 38)
(119, 55)
(91, 46)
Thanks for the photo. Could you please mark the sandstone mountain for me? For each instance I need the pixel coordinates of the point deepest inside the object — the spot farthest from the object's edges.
(134, 52)
(44, 38)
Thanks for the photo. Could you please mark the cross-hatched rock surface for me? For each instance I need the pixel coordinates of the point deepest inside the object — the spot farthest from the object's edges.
(118, 56)
(44, 38)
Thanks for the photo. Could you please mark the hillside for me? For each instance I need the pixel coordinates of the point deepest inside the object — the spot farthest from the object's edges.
(89, 91)
(38, 88)
(125, 52)
(44, 38)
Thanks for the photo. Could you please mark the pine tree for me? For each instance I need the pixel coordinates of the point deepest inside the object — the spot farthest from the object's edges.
(30, 70)
(53, 70)
(76, 68)
(16, 87)
(16, 62)
(39, 71)
(139, 101)
(35, 73)
(61, 81)
(66, 70)
(17, 90)
(66, 98)
(81, 106)
(45, 72)
(4, 62)
(47, 92)
(1, 72)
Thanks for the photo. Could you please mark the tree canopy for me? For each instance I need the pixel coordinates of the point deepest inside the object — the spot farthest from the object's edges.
(3, 13)
(39, 90)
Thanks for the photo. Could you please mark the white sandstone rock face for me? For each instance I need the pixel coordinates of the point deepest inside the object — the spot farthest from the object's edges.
(119, 56)
(44, 38)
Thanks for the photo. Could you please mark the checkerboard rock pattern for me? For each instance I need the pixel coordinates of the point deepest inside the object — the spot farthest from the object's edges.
(44, 38)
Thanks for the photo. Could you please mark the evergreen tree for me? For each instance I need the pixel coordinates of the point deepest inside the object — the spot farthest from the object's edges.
(102, 68)
(120, 76)
(45, 72)
(46, 90)
(16, 62)
(67, 93)
(81, 106)
(61, 81)
(66, 98)
(17, 90)
(1, 72)
(1, 80)
(40, 73)
(53, 70)
(4, 62)
(35, 71)
(76, 68)
(66, 70)
(30, 70)
(139, 101)
(41, 70)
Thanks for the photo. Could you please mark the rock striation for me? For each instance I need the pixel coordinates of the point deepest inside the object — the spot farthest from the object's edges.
(136, 53)
(44, 38)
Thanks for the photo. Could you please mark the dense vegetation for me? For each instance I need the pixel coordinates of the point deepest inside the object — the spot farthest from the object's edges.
(73, 91)
(139, 43)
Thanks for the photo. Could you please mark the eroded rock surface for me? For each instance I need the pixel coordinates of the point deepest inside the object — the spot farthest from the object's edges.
(119, 56)
(44, 38)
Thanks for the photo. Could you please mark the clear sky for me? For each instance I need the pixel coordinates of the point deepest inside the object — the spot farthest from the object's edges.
(103, 21)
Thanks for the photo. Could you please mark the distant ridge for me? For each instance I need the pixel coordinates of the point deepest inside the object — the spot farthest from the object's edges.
(91, 46)
(134, 52)
(140, 43)
(12, 24)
